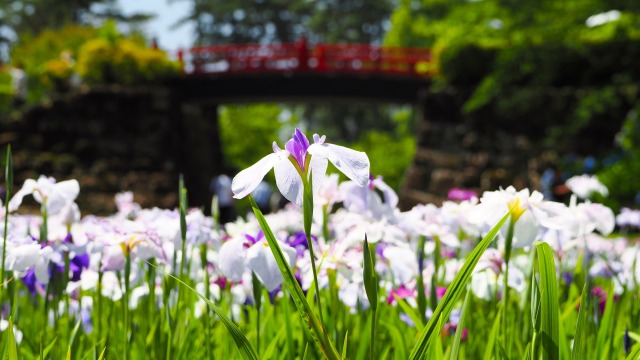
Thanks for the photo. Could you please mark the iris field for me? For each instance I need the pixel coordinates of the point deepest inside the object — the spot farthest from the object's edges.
(340, 273)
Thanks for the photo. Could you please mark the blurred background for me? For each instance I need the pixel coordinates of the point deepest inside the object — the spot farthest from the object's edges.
(94, 90)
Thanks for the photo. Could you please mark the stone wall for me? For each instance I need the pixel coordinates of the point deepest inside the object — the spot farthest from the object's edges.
(113, 139)
(455, 150)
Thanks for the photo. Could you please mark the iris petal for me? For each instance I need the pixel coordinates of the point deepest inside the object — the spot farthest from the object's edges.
(318, 167)
(354, 164)
(289, 182)
(248, 179)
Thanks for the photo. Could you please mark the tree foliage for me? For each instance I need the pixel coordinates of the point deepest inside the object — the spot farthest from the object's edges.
(568, 66)
(257, 21)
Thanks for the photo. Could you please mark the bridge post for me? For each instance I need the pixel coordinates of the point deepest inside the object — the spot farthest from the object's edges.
(303, 54)
(201, 150)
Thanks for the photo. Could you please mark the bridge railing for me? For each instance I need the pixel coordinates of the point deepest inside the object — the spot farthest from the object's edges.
(297, 57)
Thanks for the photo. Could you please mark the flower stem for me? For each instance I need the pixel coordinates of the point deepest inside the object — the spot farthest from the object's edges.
(8, 187)
(505, 288)
(127, 272)
(307, 207)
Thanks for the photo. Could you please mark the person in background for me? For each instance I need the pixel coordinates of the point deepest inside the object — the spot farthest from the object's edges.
(553, 185)
(221, 187)
(19, 85)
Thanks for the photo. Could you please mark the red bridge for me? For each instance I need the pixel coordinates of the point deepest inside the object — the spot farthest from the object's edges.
(299, 57)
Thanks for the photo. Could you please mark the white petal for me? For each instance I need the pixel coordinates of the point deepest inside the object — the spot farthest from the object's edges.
(390, 196)
(289, 182)
(231, 259)
(248, 179)
(22, 257)
(42, 265)
(356, 198)
(354, 164)
(264, 265)
(525, 231)
(27, 189)
(68, 189)
(318, 170)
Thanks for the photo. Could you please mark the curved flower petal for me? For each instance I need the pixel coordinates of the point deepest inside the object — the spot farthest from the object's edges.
(390, 196)
(261, 260)
(318, 167)
(27, 189)
(248, 179)
(289, 182)
(232, 259)
(354, 164)
(60, 194)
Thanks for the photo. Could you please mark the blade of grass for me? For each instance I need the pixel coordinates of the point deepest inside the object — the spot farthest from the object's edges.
(246, 349)
(454, 291)
(458, 336)
(634, 354)
(491, 340)
(371, 289)
(549, 308)
(605, 333)
(399, 347)
(103, 353)
(411, 312)
(11, 339)
(320, 336)
(344, 345)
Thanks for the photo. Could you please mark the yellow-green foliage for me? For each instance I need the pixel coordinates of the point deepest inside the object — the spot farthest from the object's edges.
(124, 61)
(34, 52)
(5, 90)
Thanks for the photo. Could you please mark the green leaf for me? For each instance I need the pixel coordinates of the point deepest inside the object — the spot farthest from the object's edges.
(271, 349)
(491, 340)
(581, 347)
(74, 332)
(535, 304)
(458, 336)
(454, 292)
(422, 297)
(605, 333)
(399, 347)
(319, 335)
(370, 278)
(103, 353)
(503, 353)
(411, 312)
(13, 349)
(344, 345)
(246, 349)
(8, 173)
(549, 308)
(634, 354)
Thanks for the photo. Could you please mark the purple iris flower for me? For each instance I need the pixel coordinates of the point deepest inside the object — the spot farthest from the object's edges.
(627, 341)
(32, 284)
(298, 238)
(274, 293)
(252, 240)
(457, 194)
(297, 147)
(380, 249)
(77, 264)
(298, 241)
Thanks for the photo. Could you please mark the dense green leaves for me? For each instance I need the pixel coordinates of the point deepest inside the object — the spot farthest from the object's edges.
(312, 323)
(454, 292)
(549, 308)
